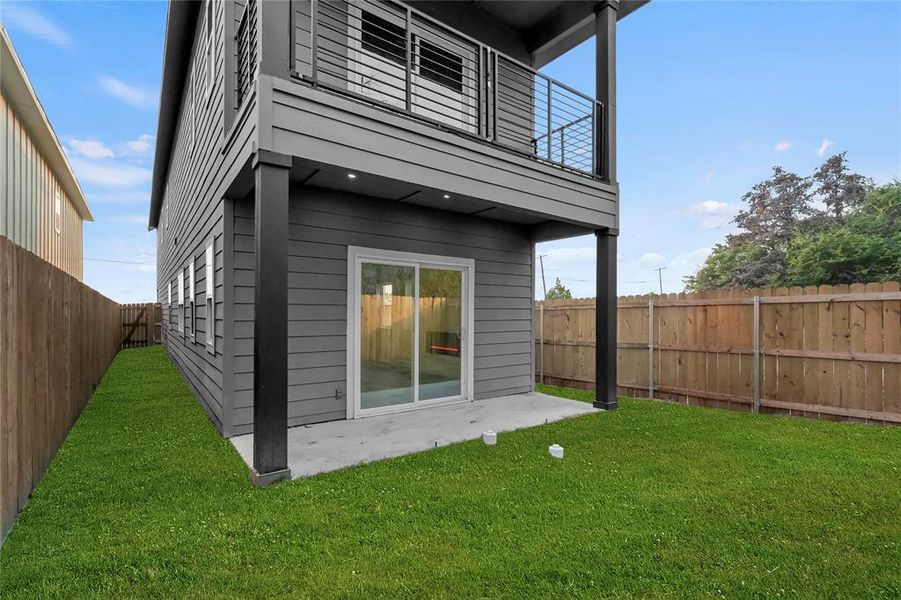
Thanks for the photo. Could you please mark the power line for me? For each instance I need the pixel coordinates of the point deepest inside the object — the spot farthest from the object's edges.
(123, 262)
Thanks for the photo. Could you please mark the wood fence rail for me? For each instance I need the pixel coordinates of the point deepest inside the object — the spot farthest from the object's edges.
(57, 338)
(827, 351)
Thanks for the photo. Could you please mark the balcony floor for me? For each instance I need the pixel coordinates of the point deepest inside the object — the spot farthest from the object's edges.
(324, 447)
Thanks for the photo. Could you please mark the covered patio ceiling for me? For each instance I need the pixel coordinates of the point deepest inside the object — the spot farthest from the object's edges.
(324, 447)
(547, 28)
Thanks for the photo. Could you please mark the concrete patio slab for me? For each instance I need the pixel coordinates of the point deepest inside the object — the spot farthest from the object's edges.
(324, 447)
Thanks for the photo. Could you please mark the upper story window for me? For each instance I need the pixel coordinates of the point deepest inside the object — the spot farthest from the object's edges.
(384, 38)
(440, 65)
(209, 46)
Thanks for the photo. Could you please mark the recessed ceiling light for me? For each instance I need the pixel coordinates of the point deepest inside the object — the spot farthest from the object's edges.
(447, 196)
(351, 175)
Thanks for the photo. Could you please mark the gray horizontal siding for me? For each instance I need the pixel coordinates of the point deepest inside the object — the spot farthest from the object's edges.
(206, 158)
(336, 130)
(322, 224)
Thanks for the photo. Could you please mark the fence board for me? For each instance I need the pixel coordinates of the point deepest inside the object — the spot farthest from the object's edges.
(891, 336)
(58, 337)
(828, 352)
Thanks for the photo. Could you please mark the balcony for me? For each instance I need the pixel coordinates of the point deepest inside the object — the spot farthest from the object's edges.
(421, 113)
(387, 53)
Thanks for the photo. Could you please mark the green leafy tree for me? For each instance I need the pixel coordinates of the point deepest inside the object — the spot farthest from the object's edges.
(559, 292)
(838, 189)
(737, 266)
(866, 247)
(784, 239)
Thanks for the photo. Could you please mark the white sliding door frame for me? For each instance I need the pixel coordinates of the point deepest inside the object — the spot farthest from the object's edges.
(356, 256)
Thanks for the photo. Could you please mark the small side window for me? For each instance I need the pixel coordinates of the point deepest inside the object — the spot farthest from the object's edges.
(57, 213)
(169, 305)
(192, 314)
(210, 28)
(210, 301)
(181, 301)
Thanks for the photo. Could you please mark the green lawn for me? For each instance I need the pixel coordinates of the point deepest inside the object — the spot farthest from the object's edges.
(654, 500)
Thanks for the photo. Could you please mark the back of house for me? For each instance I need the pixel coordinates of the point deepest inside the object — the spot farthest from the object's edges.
(347, 197)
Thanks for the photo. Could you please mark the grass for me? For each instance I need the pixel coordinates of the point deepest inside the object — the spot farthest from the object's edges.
(654, 500)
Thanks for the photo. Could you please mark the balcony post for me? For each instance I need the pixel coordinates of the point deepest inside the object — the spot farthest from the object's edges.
(605, 321)
(605, 84)
(270, 315)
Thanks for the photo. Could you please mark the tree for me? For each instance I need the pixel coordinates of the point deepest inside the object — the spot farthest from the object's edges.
(864, 247)
(559, 292)
(838, 189)
(785, 240)
(776, 209)
(738, 266)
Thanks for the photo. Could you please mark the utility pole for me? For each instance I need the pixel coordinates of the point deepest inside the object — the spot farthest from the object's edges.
(543, 282)
(660, 277)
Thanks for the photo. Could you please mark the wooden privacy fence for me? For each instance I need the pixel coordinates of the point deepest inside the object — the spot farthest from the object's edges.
(388, 324)
(827, 351)
(141, 324)
(57, 337)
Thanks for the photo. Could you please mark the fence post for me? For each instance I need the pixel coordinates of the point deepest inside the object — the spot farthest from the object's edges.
(756, 405)
(651, 347)
(541, 347)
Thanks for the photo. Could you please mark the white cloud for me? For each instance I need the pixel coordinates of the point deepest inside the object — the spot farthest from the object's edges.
(715, 222)
(782, 146)
(130, 219)
(89, 148)
(570, 257)
(713, 214)
(824, 146)
(35, 24)
(141, 145)
(690, 260)
(110, 175)
(130, 94)
(710, 175)
(651, 259)
(708, 207)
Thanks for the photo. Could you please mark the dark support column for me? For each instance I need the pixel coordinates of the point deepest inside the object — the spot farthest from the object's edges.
(270, 340)
(605, 85)
(605, 322)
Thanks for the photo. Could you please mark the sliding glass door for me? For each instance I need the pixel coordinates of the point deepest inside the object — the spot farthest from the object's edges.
(409, 323)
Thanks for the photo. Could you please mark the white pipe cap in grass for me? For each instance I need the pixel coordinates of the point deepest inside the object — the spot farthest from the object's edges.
(556, 450)
(489, 437)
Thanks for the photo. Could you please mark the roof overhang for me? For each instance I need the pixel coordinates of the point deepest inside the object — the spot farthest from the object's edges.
(546, 29)
(20, 95)
(180, 23)
(568, 26)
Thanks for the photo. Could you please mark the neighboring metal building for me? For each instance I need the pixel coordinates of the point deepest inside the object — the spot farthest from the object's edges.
(42, 207)
(347, 197)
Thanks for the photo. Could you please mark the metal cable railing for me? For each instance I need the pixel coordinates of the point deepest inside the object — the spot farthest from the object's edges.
(388, 53)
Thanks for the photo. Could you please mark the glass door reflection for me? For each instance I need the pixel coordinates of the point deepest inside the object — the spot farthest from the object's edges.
(440, 333)
(387, 335)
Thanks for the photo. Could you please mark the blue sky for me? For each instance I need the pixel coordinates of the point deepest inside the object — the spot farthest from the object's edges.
(711, 95)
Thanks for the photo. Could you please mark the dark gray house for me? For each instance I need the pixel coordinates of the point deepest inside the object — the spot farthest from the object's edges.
(347, 197)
